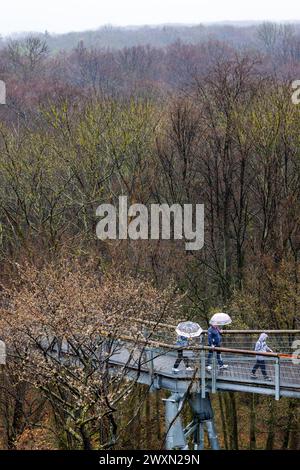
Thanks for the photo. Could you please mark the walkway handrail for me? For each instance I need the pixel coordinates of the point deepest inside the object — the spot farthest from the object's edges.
(159, 344)
(168, 326)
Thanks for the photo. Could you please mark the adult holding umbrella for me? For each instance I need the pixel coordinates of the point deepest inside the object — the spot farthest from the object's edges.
(215, 337)
(185, 330)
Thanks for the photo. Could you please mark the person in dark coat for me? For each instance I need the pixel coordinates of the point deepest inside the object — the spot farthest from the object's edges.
(184, 343)
(215, 340)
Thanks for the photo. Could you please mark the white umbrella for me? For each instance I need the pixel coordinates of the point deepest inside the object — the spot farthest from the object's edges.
(220, 319)
(188, 329)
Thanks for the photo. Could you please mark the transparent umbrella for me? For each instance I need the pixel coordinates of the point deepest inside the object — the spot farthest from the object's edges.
(220, 319)
(188, 329)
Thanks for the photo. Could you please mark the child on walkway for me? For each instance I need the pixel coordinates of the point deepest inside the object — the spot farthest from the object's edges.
(261, 346)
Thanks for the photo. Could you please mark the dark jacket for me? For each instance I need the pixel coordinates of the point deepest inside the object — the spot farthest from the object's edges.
(182, 341)
(214, 336)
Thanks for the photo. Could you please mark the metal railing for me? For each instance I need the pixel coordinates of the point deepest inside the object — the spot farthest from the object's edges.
(280, 340)
(159, 358)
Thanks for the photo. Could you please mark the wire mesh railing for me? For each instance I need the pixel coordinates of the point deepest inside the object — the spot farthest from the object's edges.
(211, 367)
(280, 341)
(214, 366)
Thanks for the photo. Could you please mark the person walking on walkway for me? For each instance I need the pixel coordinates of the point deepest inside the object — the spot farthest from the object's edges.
(184, 343)
(261, 346)
(215, 340)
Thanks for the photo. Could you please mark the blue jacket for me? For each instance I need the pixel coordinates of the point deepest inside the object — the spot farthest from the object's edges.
(214, 337)
(182, 341)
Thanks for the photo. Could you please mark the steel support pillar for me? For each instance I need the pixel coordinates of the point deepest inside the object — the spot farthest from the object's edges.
(175, 437)
(212, 436)
(198, 435)
(203, 415)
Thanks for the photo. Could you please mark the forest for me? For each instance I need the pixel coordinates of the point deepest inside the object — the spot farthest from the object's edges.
(176, 115)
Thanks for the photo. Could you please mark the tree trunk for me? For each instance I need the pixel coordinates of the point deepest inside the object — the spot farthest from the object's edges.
(17, 425)
(231, 415)
(271, 427)
(223, 420)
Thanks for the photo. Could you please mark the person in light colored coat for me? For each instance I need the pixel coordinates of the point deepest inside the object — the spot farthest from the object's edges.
(261, 346)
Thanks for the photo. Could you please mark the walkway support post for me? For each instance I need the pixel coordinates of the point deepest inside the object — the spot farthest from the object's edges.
(175, 437)
(149, 353)
(203, 415)
(214, 373)
(213, 438)
(201, 436)
(202, 373)
(150, 360)
(277, 378)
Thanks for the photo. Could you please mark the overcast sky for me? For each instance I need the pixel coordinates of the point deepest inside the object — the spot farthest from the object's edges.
(77, 15)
